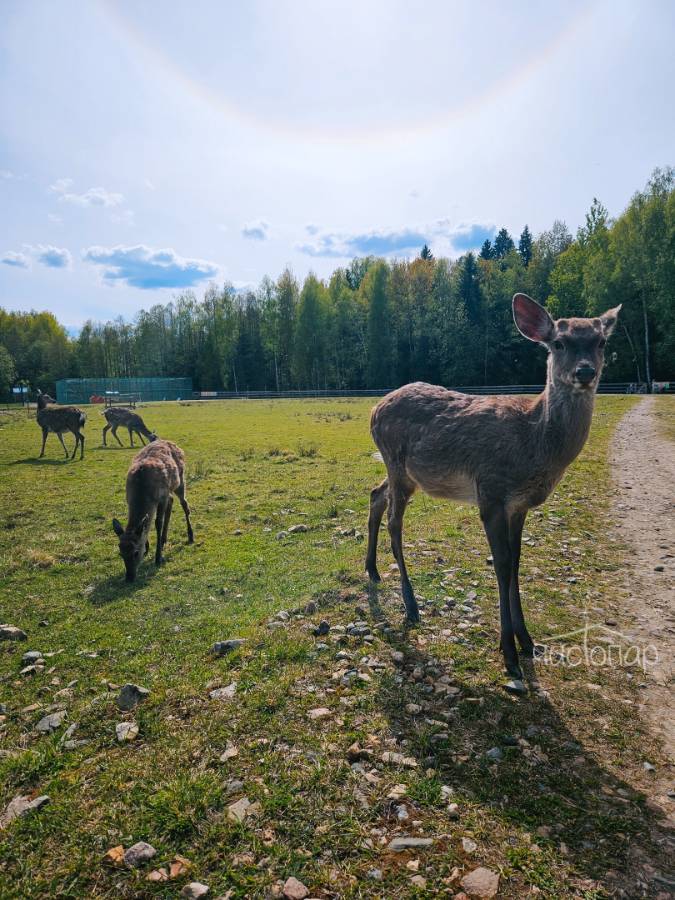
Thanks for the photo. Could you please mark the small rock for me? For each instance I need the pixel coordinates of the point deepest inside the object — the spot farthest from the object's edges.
(482, 882)
(468, 845)
(453, 810)
(298, 529)
(237, 812)
(12, 633)
(409, 843)
(310, 608)
(495, 754)
(126, 731)
(322, 628)
(157, 875)
(139, 853)
(413, 709)
(659, 568)
(51, 722)
(294, 889)
(114, 856)
(374, 874)
(224, 693)
(229, 753)
(194, 890)
(179, 866)
(31, 656)
(516, 686)
(222, 648)
(22, 806)
(131, 695)
(281, 535)
(648, 767)
(319, 713)
(419, 881)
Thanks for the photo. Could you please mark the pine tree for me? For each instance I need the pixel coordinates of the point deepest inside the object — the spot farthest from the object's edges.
(426, 253)
(379, 325)
(525, 246)
(503, 244)
(486, 251)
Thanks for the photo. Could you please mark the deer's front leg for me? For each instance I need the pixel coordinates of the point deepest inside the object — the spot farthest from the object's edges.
(496, 527)
(398, 500)
(159, 523)
(516, 523)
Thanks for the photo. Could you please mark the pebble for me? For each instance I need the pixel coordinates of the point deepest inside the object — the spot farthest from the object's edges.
(22, 806)
(230, 752)
(237, 812)
(224, 693)
(31, 656)
(322, 628)
(419, 881)
(468, 845)
(321, 712)
(495, 754)
(516, 686)
(453, 811)
(194, 890)
(12, 633)
(482, 882)
(374, 874)
(51, 722)
(298, 529)
(131, 695)
(126, 731)
(409, 843)
(222, 648)
(139, 853)
(294, 889)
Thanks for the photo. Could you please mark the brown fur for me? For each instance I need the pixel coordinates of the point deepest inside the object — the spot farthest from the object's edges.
(156, 472)
(505, 454)
(120, 415)
(58, 419)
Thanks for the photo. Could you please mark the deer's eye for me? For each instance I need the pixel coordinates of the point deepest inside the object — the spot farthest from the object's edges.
(558, 345)
(601, 343)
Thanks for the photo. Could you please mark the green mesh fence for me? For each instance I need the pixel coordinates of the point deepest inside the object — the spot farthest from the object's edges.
(81, 390)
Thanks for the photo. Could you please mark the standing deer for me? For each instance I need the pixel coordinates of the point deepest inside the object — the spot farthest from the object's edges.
(59, 419)
(156, 472)
(116, 416)
(505, 454)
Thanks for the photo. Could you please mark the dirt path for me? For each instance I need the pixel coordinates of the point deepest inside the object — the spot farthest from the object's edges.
(643, 465)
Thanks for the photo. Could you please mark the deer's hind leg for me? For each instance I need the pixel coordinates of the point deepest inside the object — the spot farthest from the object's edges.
(114, 431)
(516, 523)
(496, 525)
(159, 525)
(45, 432)
(378, 504)
(180, 493)
(167, 517)
(400, 491)
(63, 444)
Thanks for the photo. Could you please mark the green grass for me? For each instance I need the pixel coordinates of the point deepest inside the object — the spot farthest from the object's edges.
(254, 470)
(664, 411)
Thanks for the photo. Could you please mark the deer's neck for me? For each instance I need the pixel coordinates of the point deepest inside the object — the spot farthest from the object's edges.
(139, 507)
(566, 415)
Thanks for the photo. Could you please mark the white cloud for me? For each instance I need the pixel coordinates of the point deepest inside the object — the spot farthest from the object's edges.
(146, 268)
(18, 260)
(52, 257)
(258, 230)
(95, 196)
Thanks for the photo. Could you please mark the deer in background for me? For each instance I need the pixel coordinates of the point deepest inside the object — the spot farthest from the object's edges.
(156, 472)
(118, 415)
(505, 454)
(59, 419)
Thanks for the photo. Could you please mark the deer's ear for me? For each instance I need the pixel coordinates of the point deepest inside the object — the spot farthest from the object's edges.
(608, 320)
(532, 320)
(142, 524)
(117, 528)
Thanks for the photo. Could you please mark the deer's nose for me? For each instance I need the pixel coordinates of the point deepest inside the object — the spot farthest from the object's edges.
(585, 374)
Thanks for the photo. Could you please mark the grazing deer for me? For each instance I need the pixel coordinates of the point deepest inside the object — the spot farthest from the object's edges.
(156, 472)
(59, 419)
(505, 454)
(116, 416)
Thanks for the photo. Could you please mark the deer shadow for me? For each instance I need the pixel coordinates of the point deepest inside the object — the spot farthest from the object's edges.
(545, 781)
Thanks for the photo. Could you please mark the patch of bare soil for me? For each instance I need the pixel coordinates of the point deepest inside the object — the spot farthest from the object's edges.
(643, 465)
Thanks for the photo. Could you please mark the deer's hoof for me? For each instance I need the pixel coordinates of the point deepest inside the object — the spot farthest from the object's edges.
(374, 575)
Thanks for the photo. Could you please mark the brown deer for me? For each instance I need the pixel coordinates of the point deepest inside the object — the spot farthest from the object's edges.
(505, 454)
(119, 415)
(156, 472)
(59, 419)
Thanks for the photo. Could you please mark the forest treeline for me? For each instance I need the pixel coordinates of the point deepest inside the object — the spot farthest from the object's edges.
(378, 323)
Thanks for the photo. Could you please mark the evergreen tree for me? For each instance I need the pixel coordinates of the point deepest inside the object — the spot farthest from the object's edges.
(486, 251)
(503, 244)
(525, 246)
(426, 253)
(379, 325)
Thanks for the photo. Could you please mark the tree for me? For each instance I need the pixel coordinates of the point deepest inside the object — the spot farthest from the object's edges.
(374, 289)
(7, 370)
(525, 246)
(503, 244)
(426, 253)
(310, 335)
(487, 251)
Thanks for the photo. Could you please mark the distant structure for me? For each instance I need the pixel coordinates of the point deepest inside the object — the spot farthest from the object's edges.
(81, 390)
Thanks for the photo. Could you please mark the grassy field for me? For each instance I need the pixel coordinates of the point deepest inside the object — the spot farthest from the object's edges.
(562, 814)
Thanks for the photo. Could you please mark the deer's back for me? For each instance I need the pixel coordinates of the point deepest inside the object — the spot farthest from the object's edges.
(60, 418)
(156, 470)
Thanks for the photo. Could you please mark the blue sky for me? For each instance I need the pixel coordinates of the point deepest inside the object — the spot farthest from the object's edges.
(148, 148)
